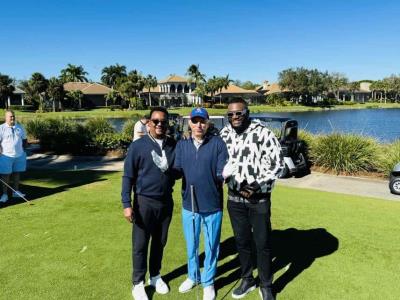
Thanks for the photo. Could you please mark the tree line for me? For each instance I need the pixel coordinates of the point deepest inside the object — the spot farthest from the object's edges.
(298, 85)
(311, 85)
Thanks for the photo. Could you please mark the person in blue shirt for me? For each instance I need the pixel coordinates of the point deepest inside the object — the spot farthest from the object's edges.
(148, 171)
(201, 159)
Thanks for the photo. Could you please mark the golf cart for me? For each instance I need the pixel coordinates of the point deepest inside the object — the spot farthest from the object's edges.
(286, 129)
(294, 150)
(394, 183)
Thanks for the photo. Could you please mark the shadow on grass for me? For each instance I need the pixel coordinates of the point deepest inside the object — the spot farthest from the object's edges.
(293, 249)
(60, 180)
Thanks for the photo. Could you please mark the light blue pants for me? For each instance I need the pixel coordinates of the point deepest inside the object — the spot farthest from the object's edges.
(211, 223)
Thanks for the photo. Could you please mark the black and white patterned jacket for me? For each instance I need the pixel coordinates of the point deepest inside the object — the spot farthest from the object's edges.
(257, 154)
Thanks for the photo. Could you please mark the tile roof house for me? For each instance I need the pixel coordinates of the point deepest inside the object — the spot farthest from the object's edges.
(93, 93)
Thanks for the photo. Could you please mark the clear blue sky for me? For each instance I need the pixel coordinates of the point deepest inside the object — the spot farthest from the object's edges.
(250, 40)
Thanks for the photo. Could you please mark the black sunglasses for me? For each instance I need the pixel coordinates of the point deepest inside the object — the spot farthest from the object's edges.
(236, 113)
(201, 121)
(161, 122)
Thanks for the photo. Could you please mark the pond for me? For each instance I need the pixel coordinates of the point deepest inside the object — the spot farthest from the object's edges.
(381, 124)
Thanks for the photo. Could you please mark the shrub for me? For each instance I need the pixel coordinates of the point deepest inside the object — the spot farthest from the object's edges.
(22, 107)
(207, 105)
(111, 141)
(390, 156)
(345, 153)
(97, 126)
(59, 135)
(275, 100)
(220, 105)
(127, 129)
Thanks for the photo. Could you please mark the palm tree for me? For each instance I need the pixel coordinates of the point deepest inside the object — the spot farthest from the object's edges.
(223, 83)
(336, 81)
(201, 90)
(76, 96)
(55, 91)
(194, 73)
(6, 88)
(38, 84)
(353, 87)
(112, 96)
(131, 86)
(149, 83)
(195, 76)
(111, 74)
(73, 73)
(212, 86)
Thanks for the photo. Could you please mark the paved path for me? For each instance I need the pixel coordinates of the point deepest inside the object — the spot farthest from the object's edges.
(366, 187)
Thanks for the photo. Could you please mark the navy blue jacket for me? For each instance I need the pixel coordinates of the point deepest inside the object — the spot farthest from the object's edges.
(141, 173)
(202, 168)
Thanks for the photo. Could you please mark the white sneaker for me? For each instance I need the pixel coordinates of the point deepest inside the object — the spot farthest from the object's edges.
(159, 284)
(18, 194)
(4, 198)
(138, 292)
(186, 286)
(209, 293)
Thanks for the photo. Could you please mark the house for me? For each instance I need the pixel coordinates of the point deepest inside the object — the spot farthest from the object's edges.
(93, 93)
(233, 91)
(173, 91)
(17, 97)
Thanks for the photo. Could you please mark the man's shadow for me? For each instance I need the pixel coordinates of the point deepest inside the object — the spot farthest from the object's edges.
(292, 248)
(62, 181)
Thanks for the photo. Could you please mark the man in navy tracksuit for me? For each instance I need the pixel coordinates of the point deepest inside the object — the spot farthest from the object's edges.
(148, 171)
(201, 159)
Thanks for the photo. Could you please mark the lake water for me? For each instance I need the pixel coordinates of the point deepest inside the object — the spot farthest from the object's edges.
(381, 124)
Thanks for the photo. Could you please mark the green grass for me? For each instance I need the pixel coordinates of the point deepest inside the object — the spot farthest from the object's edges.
(73, 243)
(103, 112)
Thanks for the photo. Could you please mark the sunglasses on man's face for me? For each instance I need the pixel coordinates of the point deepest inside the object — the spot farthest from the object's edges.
(240, 113)
(161, 122)
(201, 121)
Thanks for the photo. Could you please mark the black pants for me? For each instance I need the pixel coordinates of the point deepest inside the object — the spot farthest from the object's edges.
(251, 224)
(152, 219)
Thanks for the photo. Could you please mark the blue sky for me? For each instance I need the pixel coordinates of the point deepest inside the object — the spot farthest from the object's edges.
(249, 40)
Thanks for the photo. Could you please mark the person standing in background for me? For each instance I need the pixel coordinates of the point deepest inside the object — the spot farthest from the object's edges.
(140, 128)
(12, 154)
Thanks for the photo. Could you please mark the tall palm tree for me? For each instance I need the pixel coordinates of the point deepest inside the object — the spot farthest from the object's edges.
(111, 74)
(6, 88)
(150, 82)
(55, 91)
(223, 83)
(73, 73)
(195, 75)
(38, 84)
(194, 72)
(336, 81)
(212, 86)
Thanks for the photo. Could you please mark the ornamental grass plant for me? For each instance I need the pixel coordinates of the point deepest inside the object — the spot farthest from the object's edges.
(390, 156)
(345, 153)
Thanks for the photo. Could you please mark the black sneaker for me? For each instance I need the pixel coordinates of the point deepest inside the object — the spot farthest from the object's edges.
(245, 287)
(266, 294)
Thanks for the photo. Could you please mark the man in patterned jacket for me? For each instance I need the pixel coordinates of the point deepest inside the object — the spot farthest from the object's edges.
(255, 161)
